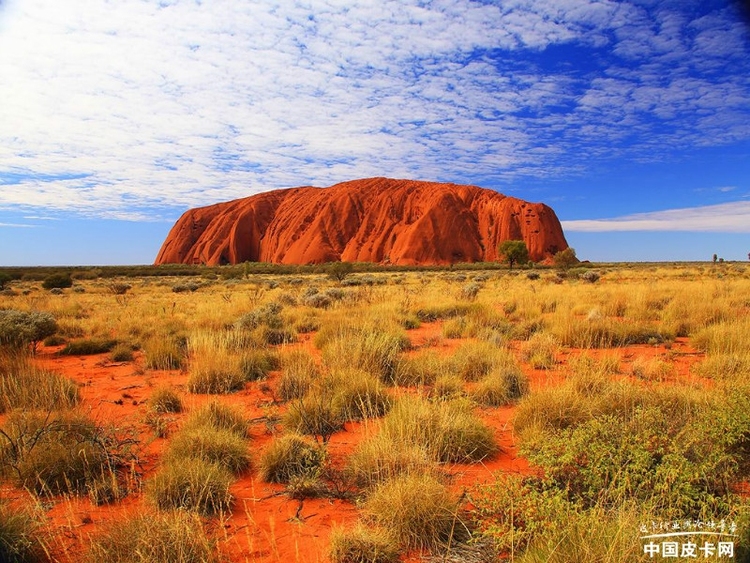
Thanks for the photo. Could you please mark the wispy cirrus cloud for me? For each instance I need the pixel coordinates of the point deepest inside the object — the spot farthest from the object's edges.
(732, 217)
(120, 110)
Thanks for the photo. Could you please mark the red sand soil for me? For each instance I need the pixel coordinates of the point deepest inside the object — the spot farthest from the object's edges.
(265, 525)
(372, 220)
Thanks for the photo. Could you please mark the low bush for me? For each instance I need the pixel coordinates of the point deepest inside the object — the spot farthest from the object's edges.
(57, 281)
(159, 537)
(57, 453)
(514, 510)
(191, 484)
(363, 544)
(417, 510)
(87, 347)
(21, 328)
(291, 456)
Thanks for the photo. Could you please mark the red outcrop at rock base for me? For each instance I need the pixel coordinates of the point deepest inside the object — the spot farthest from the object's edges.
(372, 220)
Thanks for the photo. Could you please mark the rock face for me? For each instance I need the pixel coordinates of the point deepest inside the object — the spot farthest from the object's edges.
(373, 220)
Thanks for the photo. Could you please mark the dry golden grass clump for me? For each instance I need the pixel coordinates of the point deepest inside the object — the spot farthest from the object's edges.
(363, 544)
(191, 484)
(20, 536)
(289, 457)
(298, 374)
(358, 395)
(417, 510)
(501, 386)
(165, 400)
(218, 416)
(373, 351)
(154, 537)
(447, 430)
(220, 446)
(24, 386)
(379, 459)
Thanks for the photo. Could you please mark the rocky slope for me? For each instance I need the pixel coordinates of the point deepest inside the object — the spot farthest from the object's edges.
(371, 220)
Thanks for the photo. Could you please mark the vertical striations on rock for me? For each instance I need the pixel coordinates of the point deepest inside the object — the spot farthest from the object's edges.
(372, 220)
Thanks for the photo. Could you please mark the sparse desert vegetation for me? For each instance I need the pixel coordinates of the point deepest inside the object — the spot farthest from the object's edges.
(376, 416)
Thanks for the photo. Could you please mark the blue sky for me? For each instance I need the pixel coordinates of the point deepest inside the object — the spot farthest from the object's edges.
(630, 118)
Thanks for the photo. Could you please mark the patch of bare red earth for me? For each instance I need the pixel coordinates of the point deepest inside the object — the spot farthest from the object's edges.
(265, 525)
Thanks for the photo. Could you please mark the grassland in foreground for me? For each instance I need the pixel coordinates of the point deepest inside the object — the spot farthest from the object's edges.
(476, 414)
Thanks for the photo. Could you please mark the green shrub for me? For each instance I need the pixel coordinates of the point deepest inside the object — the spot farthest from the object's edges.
(191, 484)
(514, 510)
(291, 456)
(20, 328)
(57, 281)
(363, 544)
(417, 510)
(87, 347)
(160, 537)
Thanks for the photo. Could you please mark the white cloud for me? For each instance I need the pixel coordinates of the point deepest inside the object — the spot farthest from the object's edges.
(733, 217)
(118, 108)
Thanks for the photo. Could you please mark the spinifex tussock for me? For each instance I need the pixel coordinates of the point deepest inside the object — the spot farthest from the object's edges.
(24, 386)
(447, 430)
(158, 537)
(417, 510)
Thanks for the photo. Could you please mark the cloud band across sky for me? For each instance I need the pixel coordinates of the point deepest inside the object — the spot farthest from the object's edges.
(731, 217)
